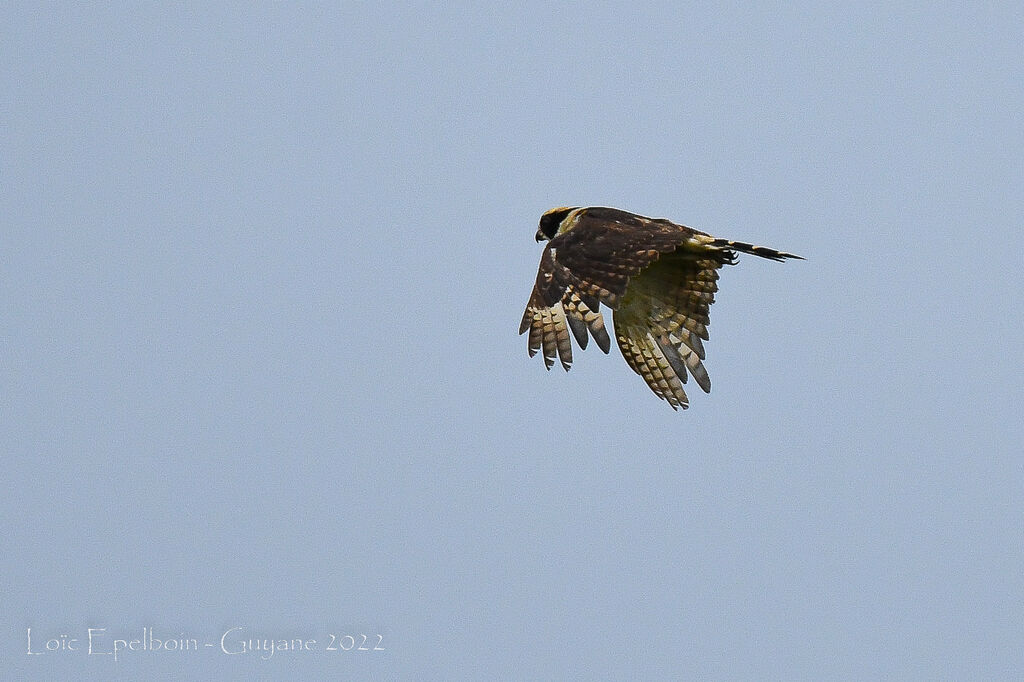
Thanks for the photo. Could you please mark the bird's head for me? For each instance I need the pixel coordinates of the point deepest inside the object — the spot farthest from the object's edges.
(550, 221)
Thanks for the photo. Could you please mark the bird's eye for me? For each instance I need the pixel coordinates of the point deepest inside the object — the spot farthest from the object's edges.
(550, 221)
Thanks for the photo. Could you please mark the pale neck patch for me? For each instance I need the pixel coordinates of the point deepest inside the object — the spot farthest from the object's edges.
(569, 221)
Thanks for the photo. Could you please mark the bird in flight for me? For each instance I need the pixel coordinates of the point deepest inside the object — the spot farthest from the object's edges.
(659, 279)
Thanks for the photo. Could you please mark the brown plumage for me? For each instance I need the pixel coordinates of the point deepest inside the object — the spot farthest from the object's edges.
(658, 277)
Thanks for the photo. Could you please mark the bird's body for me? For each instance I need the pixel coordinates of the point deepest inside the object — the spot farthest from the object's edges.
(658, 277)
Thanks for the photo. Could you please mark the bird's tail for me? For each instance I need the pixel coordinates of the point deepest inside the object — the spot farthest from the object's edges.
(762, 251)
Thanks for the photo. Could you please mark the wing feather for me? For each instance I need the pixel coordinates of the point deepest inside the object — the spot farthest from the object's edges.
(577, 326)
(577, 308)
(665, 313)
(646, 358)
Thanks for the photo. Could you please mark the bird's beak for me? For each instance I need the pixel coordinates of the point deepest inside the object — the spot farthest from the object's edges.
(540, 236)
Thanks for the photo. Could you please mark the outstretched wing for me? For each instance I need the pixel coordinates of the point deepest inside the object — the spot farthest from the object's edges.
(557, 306)
(662, 319)
(589, 264)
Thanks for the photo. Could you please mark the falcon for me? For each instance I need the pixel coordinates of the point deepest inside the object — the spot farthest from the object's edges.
(658, 278)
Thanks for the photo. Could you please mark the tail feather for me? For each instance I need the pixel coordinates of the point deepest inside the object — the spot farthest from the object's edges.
(762, 251)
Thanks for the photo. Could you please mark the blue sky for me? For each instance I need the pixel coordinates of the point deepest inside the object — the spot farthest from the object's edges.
(263, 268)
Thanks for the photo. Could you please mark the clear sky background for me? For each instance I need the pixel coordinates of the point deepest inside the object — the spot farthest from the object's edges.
(261, 273)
